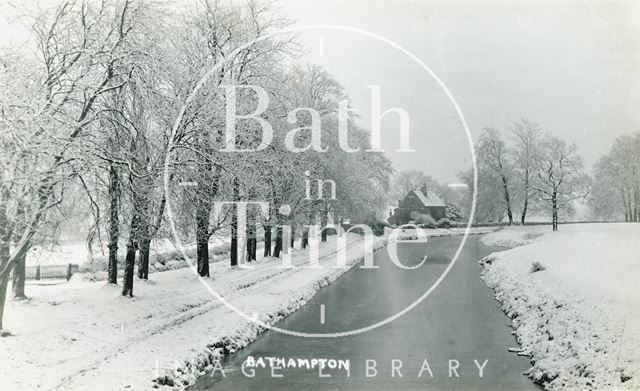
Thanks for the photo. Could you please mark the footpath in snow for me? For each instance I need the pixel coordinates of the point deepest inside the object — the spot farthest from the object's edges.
(84, 335)
(574, 299)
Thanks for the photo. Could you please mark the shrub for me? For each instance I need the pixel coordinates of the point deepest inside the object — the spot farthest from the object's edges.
(454, 213)
(165, 381)
(426, 221)
(537, 267)
(444, 223)
(377, 227)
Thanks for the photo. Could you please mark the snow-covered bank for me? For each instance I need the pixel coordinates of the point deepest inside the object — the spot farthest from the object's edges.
(410, 233)
(574, 299)
(85, 336)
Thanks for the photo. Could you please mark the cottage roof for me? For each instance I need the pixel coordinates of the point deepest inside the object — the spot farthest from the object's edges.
(429, 198)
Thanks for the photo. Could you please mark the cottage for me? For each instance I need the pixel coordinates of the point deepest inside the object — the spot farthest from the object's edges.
(418, 201)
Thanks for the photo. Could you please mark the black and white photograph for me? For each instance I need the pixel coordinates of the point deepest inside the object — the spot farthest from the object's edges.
(319, 195)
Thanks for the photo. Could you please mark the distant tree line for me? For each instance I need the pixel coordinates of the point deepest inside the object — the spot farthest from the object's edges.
(531, 171)
(616, 184)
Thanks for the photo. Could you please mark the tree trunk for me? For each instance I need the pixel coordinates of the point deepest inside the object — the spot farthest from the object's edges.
(554, 206)
(6, 231)
(114, 229)
(278, 247)
(250, 251)
(202, 253)
(208, 179)
(293, 236)
(234, 239)
(251, 242)
(143, 235)
(143, 259)
(148, 232)
(4, 278)
(249, 246)
(305, 237)
(234, 225)
(267, 240)
(130, 259)
(323, 224)
(4, 281)
(624, 203)
(114, 233)
(254, 248)
(526, 200)
(507, 199)
(19, 277)
(129, 264)
(305, 230)
(19, 265)
(202, 239)
(143, 243)
(636, 200)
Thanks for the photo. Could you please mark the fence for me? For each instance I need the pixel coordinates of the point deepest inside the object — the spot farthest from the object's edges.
(50, 271)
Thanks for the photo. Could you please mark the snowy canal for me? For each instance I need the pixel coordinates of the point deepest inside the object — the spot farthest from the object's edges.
(458, 338)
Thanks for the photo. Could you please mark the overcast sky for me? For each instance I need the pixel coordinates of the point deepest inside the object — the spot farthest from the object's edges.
(571, 66)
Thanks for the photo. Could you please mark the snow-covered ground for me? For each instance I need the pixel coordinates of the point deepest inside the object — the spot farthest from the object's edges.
(76, 250)
(83, 335)
(578, 315)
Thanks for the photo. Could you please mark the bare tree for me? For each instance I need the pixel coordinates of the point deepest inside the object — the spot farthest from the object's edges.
(617, 180)
(493, 154)
(405, 181)
(526, 150)
(83, 52)
(608, 200)
(559, 177)
(489, 204)
(95, 115)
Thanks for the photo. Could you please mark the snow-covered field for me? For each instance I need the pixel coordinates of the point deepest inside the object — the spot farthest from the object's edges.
(76, 251)
(85, 336)
(577, 311)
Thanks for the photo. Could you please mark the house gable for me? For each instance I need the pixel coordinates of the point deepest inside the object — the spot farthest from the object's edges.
(419, 201)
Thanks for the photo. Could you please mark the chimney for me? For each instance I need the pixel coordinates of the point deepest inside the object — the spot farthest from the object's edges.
(423, 188)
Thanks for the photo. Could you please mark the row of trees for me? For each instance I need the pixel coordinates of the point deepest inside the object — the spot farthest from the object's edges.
(616, 189)
(87, 116)
(533, 170)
